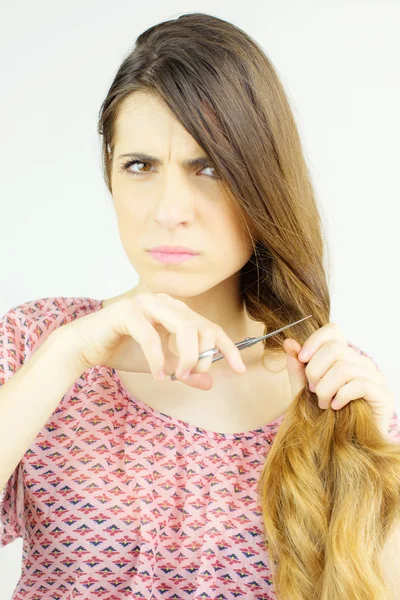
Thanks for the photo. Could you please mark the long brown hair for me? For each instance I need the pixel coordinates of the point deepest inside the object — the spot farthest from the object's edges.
(226, 93)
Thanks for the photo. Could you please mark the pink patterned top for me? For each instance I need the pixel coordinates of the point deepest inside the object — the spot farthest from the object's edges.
(116, 500)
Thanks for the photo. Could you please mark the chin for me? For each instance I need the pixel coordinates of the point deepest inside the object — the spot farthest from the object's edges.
(178, 285)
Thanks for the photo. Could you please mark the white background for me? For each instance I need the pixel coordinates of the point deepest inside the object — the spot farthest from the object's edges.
(338, 61)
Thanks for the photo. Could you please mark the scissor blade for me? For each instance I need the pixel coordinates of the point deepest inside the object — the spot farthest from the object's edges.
(254, 340)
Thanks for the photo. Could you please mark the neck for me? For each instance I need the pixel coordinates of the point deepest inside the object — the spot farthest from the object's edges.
(220, 305)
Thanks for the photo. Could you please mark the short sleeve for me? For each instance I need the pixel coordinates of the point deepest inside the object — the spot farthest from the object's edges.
(12, 509)
(12, 356)
(22, 330)
(394, 430)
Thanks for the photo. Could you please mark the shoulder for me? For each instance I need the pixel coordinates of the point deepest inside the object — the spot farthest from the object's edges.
(24, 327)
(55, 308)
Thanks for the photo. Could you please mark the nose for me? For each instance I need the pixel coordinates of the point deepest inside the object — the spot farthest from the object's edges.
(175, 205)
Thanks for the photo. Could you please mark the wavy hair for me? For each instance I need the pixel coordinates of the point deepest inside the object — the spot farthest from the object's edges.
(226, 93)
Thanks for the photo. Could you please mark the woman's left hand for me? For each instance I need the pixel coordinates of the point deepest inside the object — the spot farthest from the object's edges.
(338, 374)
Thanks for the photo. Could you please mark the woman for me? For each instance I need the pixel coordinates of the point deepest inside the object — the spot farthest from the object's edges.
(144, 488)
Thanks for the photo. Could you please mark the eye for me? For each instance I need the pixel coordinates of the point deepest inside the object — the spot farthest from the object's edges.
(129, 163)
(126, 167)
(212, 176)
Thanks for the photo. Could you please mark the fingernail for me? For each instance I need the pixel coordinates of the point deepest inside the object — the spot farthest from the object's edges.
(185, 374)
(160, 375)
(304, 354)
(312, 387)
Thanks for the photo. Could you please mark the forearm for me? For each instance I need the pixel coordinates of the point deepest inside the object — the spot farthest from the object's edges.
(29, 398)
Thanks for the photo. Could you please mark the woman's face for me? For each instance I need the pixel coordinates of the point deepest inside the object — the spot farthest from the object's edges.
(171, 204)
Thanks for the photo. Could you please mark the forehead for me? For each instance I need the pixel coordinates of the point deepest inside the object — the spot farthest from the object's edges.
(143, 119)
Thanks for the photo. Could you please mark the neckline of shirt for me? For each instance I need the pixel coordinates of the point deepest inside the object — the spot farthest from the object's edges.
(268, 428)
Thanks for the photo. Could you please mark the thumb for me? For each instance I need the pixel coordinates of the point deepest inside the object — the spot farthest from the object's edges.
(296, 369)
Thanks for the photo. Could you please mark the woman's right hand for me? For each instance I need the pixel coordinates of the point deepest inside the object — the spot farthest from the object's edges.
(150, 333)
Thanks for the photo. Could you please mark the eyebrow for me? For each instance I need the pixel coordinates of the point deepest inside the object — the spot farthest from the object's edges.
(200, 161)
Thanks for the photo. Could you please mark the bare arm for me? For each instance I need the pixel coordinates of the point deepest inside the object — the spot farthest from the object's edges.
(29, 398)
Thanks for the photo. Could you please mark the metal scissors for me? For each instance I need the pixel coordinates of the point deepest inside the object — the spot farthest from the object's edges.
(246, 343)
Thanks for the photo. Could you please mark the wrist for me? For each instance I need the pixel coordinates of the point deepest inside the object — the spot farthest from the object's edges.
(65, 346)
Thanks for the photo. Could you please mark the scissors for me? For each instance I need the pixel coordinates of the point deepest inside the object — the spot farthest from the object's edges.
(246, 343)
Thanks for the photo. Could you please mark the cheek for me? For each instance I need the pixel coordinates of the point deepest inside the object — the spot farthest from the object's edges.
(130, 211)
(235, 238)
(233, 247)
(131, 226)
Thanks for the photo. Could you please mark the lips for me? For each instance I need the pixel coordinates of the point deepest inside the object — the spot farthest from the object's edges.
(172, 258)
(174, 250)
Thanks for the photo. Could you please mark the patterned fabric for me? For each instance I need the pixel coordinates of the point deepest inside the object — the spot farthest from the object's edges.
(116, 500)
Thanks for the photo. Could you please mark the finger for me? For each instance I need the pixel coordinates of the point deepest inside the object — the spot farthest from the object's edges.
(229, 350)
(291, 347)
(295, 368)
(330, 331)
(187, 341)
(214, 336)
(200, 381)
(199, 378)
(207, 336)
(211, 335)
(177, 318)
(207, 341)
(327, 355)
(342, 373)
(379, 399)
(139, 328)
(177, 322)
